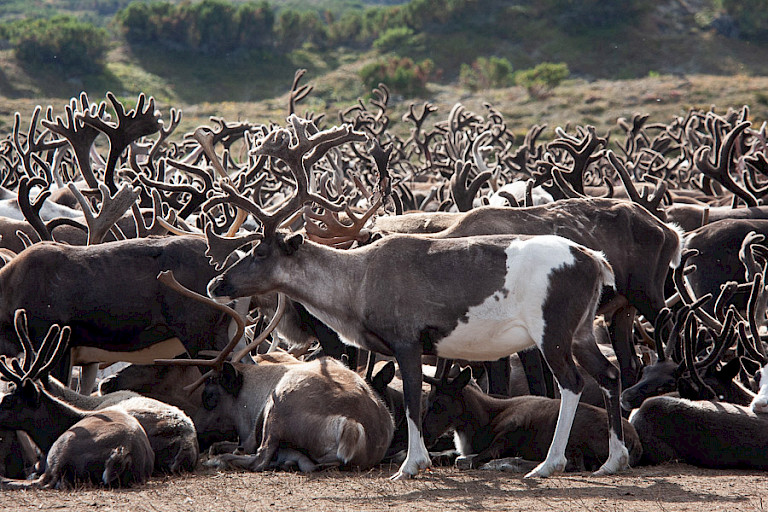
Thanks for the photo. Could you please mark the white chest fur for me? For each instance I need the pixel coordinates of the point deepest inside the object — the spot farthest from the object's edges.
(510, 319)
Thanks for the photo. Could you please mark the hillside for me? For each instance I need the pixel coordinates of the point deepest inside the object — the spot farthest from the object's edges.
(663, 59)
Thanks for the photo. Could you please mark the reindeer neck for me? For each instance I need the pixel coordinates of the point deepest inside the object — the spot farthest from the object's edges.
(70, 396)
(52, 419)
(335, 275)
(479, 410)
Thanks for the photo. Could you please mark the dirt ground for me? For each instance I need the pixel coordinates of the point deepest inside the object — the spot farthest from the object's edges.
(670, 487)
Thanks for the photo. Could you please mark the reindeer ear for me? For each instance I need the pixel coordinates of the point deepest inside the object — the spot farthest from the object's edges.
(384, 376)
(292, 243)
(231, 379)
(463, 379)
(30, 392)
(731, 368)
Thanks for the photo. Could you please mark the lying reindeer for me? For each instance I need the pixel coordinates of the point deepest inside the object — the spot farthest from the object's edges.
(702, 433)
(45, 401)
(488, 428)
(108, 447)
(322, 410)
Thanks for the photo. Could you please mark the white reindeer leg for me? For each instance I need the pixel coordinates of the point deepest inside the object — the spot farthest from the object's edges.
(418, 456)
(556, 460)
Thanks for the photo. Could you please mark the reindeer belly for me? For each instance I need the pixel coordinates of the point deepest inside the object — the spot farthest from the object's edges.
(484, 340)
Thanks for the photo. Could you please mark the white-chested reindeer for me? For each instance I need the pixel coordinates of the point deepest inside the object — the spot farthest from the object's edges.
(478, 298)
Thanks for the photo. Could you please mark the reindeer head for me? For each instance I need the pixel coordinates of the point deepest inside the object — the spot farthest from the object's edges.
(23, 398)
(258, 271)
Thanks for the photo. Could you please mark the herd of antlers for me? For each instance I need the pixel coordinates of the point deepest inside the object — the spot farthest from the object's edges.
(237, 184)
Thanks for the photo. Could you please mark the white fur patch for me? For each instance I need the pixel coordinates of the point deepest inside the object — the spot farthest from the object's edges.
(417, 457)
(511, 320)
(517, 190)
(760, 402)
(556, 461)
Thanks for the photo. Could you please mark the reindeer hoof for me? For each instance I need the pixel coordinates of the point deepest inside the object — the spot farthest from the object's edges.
(466, 462)
(547, 469)
(411, 468)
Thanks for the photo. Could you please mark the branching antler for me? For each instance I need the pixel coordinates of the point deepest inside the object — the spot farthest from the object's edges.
(131, 126)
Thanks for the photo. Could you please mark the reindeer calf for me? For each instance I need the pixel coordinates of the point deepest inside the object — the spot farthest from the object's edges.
(488, 428)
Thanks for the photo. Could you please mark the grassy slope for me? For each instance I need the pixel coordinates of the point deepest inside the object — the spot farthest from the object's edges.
(698, 68)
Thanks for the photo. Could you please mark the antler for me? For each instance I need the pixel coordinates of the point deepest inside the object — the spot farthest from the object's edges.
(112, 209)
(168, 279)
(299, 154)
(719, 169)
(130, 127)
(650, 203)
(80, 135)
(51, 349)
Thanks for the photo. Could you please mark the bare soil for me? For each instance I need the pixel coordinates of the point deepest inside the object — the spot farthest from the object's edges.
(670, 487)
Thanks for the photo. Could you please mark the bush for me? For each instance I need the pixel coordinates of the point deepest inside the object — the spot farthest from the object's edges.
(540, 80)
(61, 42)
(486, 73)
(750, 17)
(209, 26)
(400, 74)
(393, 39)
(578, 16)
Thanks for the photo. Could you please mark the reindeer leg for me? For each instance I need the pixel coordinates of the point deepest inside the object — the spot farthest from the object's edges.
(622, 322)
(88, 377)
(607, 376)
(409, 361)
(557, 354)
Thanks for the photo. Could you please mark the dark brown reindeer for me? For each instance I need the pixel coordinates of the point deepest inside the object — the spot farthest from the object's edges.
(108, 447)
(110, 297)
(702, 433)
(487, 428)
(471, 298)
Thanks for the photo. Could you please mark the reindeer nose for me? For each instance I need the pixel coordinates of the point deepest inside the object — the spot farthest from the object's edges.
(215, 287)
(759, 405)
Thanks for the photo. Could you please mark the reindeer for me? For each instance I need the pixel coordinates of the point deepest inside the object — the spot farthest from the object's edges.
(322, 411)
(487, 428)
(171, 433)
(108, 447)
(109, 295)
(479, 297)
(702, 433)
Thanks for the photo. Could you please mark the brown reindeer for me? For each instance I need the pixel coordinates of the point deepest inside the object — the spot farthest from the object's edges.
(487, 428)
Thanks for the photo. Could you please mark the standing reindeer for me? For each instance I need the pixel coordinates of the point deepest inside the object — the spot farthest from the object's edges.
(477, 298)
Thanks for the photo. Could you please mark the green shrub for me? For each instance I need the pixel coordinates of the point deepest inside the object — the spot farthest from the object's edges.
(61, 42)
(750, 16)
(486, 73)
(540, 80)
(400, 74)
(210, 26)
(393, 39)
(578, 16)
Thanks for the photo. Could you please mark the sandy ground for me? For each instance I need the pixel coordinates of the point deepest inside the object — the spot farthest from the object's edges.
(670, 487)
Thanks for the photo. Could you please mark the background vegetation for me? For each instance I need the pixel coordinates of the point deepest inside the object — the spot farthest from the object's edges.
(240, 55)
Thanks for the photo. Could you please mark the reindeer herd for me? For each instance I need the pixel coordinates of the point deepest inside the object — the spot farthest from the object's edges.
(546, 306)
